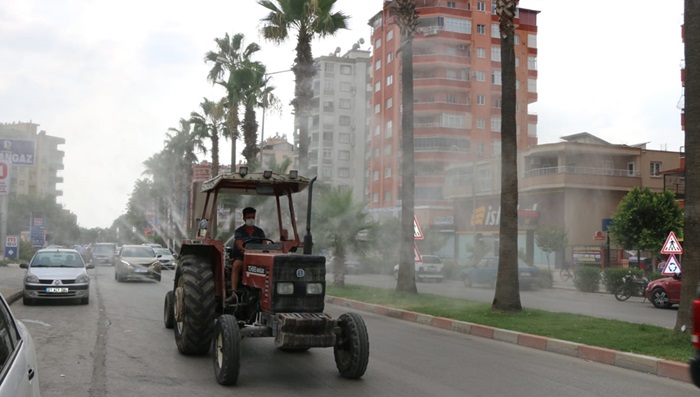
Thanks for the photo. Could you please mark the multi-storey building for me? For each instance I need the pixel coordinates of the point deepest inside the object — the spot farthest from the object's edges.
(36, 159)
(457, 98)
(277, 148)
(574, 185)
(338, 121)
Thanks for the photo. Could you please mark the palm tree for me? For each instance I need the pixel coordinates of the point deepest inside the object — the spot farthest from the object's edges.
(310, 18)
(691, 233)
(256, 93)
(341, 227)
(210, 124)
(407, 20)
(229, 58)
(507, 295)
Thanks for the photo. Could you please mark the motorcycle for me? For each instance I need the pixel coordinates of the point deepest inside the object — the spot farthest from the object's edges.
(632, 285)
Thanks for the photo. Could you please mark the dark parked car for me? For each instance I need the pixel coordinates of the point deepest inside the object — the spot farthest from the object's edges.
(664, 292)
(18, 362)
(56, 274)
(694, 362)
(104, 253)
(137, 261)
(486, 271)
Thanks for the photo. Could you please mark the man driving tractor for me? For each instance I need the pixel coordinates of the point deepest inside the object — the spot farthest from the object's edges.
(247, 232)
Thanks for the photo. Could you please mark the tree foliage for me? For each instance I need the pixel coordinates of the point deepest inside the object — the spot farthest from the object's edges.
(644, 219)
(551, 239)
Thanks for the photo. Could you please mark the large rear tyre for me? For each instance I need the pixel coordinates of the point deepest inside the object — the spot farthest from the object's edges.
(169, 311)
(622, 293)
(351, 350)
(227, 350)
(195, 306)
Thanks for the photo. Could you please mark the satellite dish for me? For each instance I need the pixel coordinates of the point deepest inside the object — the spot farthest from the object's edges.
(361, 41)
(337, 50)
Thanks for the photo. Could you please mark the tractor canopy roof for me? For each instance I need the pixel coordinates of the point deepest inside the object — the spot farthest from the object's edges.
(264, 183)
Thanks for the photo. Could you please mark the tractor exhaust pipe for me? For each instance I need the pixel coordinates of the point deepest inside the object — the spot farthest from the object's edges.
(308, 240)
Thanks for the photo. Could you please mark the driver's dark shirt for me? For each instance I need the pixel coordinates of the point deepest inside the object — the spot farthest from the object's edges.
(242, 234)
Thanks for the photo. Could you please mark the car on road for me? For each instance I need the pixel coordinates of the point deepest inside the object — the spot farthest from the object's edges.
(430, 267)
(56, 274)
(486, 272)
(137, 261)
(694, 362)
(664, 292)
(167, 259)
(19, 367)
(104, 253)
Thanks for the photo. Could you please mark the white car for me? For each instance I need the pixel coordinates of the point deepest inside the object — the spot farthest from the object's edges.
(56, 274)
(429, 268)
(18, 363)
(167, 259)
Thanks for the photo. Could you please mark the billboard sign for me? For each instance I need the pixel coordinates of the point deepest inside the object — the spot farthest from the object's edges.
(11, 247)
(4, 177)
(37, 231)
(17, 152)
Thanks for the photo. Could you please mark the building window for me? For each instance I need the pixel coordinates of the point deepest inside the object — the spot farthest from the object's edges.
(655, 169)
(388, 130)
(389, 103)
(389, 35)
(378, 43)
(377, 108)
(496, 54)
(345, 69)
(481, 99)
(450, 98)
(344, 120)
(532, 40)
(389, 80)
(375, 197)
(387, 172)
(495, 124)
(387, 196)
(328, 86)
(532, 63)
(389, 57)
(484, 180)
(343, 172)
(378, 65)
(479, 75)
(496, 77)
(344, 155)
(329, 67)
(458, 25)
(531, 85)
(377, 86)
(451, 4)
(480, 124)
(327, 153)
(344, 137)
(345, 103)
(375, 176)
(326, 172)
(480, 29)
(631, 171)
(480, 149)
(480, 52)
(480, 6)
(375, 153)
(387, 150)
(376, 130)
(495, 31)
(345, 86)
(497, 102)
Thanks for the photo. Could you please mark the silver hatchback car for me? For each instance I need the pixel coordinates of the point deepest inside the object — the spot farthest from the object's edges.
(56, 274)
(18, 360)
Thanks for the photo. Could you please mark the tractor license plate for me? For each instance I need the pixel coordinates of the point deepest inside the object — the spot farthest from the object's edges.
(56, 290)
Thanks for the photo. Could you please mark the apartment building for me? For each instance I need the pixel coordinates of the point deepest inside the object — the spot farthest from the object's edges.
(36, 159)
(457, 99)
(575, 184)
(338, 122)
(277, 149)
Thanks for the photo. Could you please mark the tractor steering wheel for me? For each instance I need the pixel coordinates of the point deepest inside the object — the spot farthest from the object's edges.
(257, 240)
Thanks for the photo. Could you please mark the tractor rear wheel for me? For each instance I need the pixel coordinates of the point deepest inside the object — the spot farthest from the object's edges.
(169, 311)
(227, 350)
(351, 350)
(195, 306)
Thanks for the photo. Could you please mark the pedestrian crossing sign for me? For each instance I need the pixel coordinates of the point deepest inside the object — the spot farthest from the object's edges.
(672, 246)
(672, 267)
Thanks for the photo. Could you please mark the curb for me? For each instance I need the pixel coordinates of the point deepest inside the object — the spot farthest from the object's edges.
(652, 365)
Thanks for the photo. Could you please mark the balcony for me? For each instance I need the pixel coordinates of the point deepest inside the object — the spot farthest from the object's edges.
(582, 177)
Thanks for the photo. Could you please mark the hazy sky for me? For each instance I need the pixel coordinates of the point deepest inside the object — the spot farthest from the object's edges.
(112, 76)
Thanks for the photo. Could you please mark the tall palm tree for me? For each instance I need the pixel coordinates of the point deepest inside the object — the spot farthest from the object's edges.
(341, 227)
(311, 19)
(406, 18)
(231, 55)
(691, 228)
(256, 93)
(507, 295)
(210, 124)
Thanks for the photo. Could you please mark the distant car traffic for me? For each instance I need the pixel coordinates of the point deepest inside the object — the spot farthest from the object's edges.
(137, 261)
(104, 253)
(167, 259)
(664, 292)
(56, 274)
(18, 361)
(486, 272)
(429, 268)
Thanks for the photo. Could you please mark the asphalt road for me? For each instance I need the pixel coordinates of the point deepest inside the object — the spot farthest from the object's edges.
(567, 300)
(117, 346)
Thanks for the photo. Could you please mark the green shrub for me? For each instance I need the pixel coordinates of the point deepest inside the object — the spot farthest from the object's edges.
(587, 278)
(612, 278)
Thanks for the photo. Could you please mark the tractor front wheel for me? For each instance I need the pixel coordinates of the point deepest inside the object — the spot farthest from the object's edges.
(351, 350)
(227, 350)
(195, 306)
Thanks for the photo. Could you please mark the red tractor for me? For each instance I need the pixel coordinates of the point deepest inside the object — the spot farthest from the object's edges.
(282, 289)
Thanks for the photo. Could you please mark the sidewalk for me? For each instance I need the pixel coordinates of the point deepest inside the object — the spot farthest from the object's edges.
(11, 281)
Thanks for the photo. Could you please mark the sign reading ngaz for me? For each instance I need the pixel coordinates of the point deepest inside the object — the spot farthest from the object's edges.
(17, 152)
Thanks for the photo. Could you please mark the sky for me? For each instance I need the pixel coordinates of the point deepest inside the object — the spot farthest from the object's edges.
(111, 77)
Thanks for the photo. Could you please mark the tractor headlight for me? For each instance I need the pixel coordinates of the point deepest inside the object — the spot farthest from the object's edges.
(285, 288)
(314, 289)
